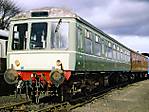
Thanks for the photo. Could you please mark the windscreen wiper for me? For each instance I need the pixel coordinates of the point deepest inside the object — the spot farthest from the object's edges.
(58, 25)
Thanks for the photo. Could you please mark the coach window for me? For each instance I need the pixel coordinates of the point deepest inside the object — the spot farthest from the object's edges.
(38, 35)
(109, 50)
(128, 56)
(59, 34)
(88, 42)
(121, 54)
(125, 56)
(97, 45)
(79, 37)
(103, 47)
(106, 48)
(19, 36)
(114, 51)
(118, 53)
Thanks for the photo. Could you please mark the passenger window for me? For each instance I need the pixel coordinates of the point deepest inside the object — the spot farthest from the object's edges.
(88, 45)
(121, 55)
(59, 34)
(97, 45)
(79, 37)
(103, 47)
(114, 52)
(109, 50)
(88, 42)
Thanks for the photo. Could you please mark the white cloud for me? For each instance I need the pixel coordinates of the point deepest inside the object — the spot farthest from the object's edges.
(137, 43)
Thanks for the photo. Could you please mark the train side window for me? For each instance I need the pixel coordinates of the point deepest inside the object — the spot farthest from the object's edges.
(59, 34)
(121, 54)
(118, 53)
(97, 45)
(103, 47)
(88, 45)
(87, 33)
(126, 56)
(88, 42)
(114, 52)
(79, 37)
(106, 48)
(109, 50)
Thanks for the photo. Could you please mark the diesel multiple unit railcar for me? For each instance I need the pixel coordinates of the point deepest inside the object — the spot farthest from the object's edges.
(3, 55)
(56, 51)
(3, 49)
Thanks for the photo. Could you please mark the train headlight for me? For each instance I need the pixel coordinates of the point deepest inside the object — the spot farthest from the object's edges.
(17, 63)
(58, 63)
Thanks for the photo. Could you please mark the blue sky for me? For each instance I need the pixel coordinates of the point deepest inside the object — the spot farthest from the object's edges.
(125, 20)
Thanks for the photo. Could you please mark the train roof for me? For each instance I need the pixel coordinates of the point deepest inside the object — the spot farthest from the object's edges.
(54, 12)
(4, 34)
(46, 12)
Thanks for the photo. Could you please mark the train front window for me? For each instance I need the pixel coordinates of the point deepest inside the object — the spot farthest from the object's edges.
(19, 36)
(59, 34)
(38, 36)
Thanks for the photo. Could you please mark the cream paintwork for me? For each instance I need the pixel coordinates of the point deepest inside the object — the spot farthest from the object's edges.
(40, 61)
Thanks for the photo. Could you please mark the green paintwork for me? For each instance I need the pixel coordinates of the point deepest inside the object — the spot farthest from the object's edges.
(90, 62)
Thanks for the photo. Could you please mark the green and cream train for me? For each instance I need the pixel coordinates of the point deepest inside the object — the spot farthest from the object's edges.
(56, 51)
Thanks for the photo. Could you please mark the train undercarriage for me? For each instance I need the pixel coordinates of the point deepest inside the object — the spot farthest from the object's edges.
(79, 84)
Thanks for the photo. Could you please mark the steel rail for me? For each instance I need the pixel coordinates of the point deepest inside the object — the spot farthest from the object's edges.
(12, 107)
(68, 106)
(56, 107)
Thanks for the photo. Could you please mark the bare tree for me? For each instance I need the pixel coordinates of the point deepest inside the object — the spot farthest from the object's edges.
(8, 9)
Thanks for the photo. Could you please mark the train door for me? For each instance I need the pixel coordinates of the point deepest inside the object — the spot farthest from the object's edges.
(80, 49)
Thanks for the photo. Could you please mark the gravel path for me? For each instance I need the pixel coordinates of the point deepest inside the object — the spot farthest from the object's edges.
(133, 98)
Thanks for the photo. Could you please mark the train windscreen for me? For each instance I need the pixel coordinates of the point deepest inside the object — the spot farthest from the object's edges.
(19, 36)
(38, 35)
(37, 38)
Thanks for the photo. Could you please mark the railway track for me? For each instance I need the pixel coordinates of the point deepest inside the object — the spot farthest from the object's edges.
(19, 107)
(68, 106)
(60, 107)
